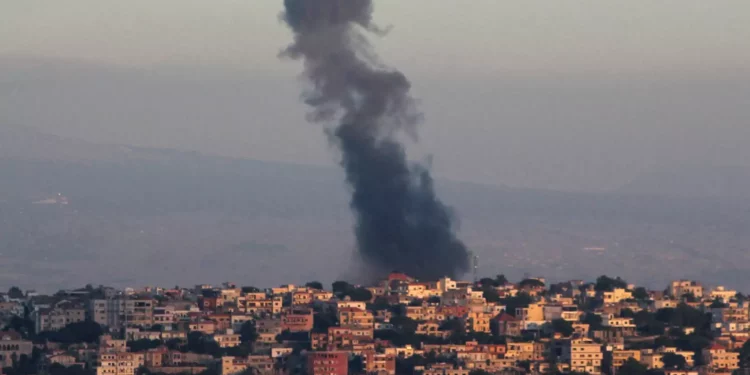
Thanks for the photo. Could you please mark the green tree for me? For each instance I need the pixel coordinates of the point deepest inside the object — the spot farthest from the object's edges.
(15, 293)
(689, 297)
(531, 283)
(250, 289)
(359, 294)
(593, 320)
(248, 333)
(356, 365)
(562, 327)
(404, 324)
(501, 280)
(640, 293)
(673, 361)
(647, 324)
(202, 344)
(491, 295)
(143, 345)
(745, 355)
(486, 281)
(607, 284)
(341, 287)
(518, 301)
(434, 300)
(86, 331)
(632, 367)
(322, 320)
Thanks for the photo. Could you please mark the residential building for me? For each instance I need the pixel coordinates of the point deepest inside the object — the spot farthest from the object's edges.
(584, 355)
(327, 363)
(12, 345)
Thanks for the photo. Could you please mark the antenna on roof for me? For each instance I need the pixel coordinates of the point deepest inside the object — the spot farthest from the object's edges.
(476, 267)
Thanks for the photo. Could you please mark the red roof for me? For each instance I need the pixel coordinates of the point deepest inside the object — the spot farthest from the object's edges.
(505, 317)
(716, 346)
(399, 276)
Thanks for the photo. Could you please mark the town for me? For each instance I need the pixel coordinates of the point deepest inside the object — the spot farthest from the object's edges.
(397, 326)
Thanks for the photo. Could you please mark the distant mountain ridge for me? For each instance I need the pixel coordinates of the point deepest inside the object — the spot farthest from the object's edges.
(693, 181)
(169, 216)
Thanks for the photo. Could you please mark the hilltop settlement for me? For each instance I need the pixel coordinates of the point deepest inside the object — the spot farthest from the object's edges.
(398, 326)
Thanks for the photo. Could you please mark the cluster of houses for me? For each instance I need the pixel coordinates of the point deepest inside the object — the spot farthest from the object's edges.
(401, 325)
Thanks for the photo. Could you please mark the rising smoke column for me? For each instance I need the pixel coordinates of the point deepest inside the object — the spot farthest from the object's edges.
(400, 223)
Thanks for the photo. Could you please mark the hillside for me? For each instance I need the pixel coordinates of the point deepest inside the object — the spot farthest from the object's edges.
(140, 216)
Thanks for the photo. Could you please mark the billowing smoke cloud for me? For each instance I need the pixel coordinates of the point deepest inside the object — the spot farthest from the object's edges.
(401, 225)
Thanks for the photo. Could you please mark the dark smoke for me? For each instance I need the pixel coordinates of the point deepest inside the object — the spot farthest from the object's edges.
(401, 225)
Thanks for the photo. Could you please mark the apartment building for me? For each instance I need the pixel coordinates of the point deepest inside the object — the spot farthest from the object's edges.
(297, 320)
(328, 363)
(119, 363)
(235, 365)
(352, 316)
(616, 295)
(718, 358)
(584, 355)
(58, 317)
(679, 288)
(619, 357)
(12, 345)
(118, 312)
(228, 339)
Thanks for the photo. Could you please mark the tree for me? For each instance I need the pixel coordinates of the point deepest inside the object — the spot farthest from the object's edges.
(632, 367)
(563, 327)
(518, 301)
(86, 331)
(341, 287)
(356, 365)
(323, 320)
(433, 300)
(143, 345)
(689, 297)
(454, 325)
(486, 281)
(491, 295)
(641, 294)
(15, 293)
(315, 285)
(404, 324)
(202, 344)
(174, 344)
(360, 295)
(608, 284)
(248, 333)
(501, 280)
(673, 361)
(593, 320)
(745, 355)
(250, 289)
(380, 303)
(647, 324)
(415, 302)
(531, 283)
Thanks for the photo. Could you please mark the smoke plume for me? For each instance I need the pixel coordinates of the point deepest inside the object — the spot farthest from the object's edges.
(400, 223)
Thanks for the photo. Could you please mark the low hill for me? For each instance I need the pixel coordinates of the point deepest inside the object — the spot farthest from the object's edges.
(148, 216)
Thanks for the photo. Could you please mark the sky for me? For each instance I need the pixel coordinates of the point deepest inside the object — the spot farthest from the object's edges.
(571, 95)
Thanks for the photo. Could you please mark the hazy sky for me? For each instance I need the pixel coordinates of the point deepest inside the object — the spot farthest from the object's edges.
(554, 94)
